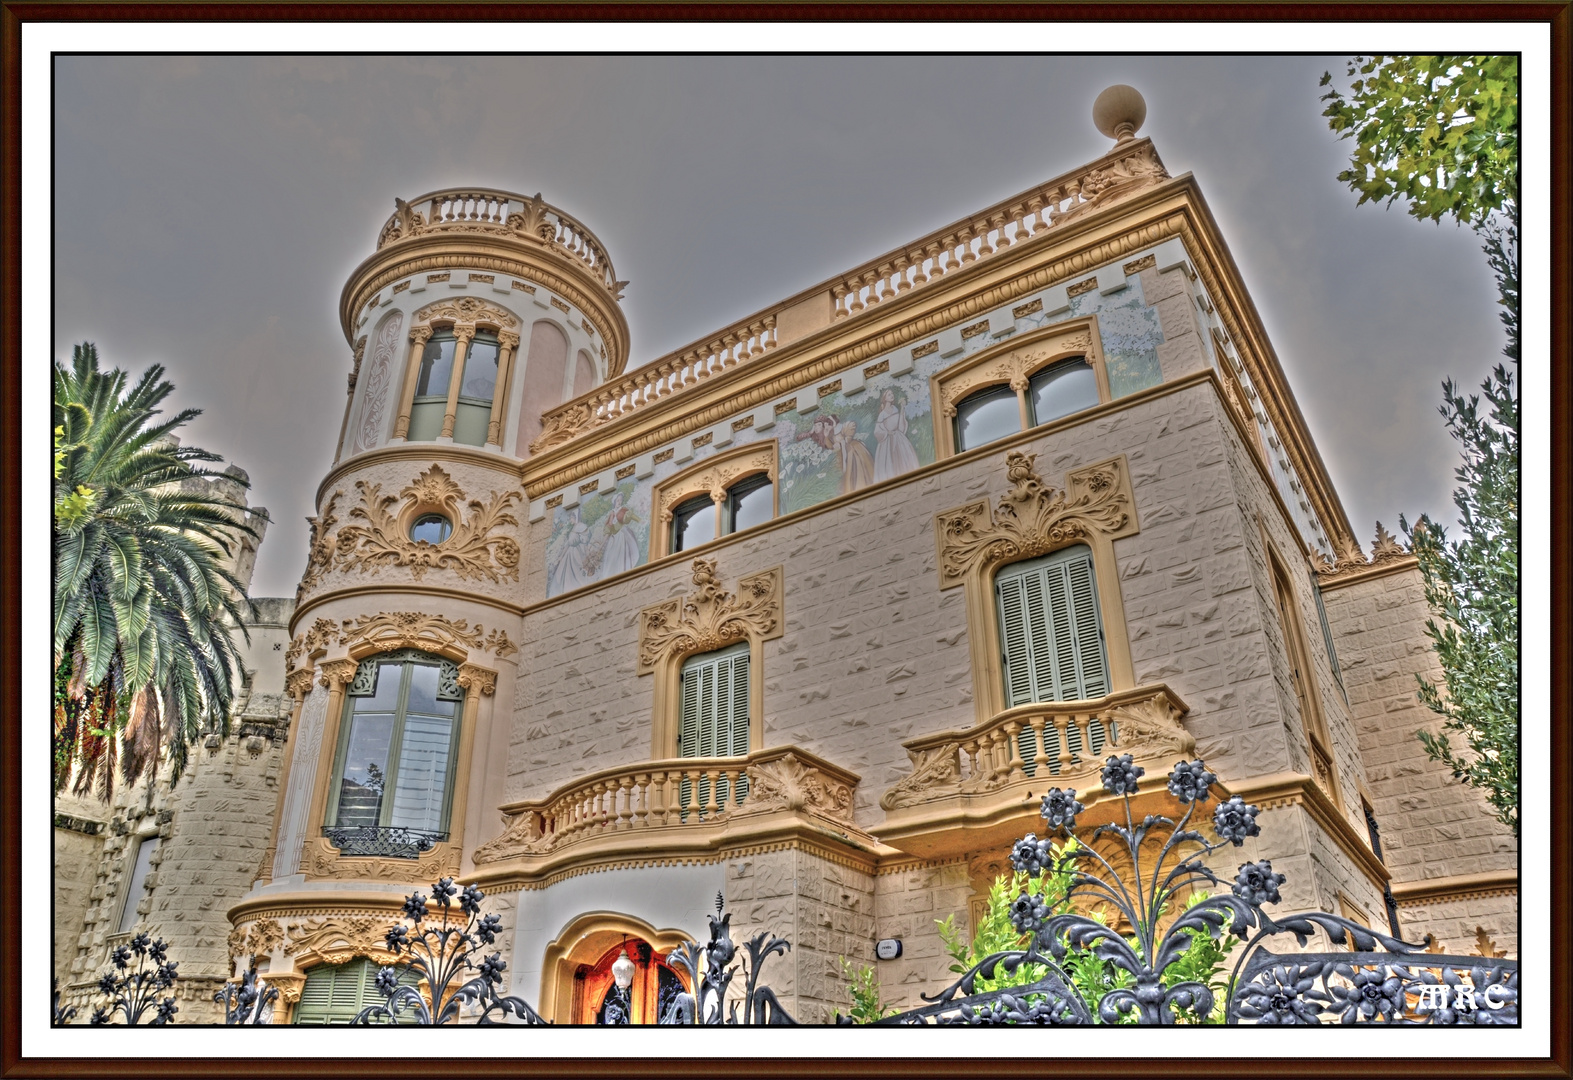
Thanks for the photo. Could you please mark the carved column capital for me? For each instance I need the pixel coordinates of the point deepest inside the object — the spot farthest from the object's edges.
(463, 332)
(338, 673)
(420, 335)
(298, 683)
(508, 339)
(474, 678)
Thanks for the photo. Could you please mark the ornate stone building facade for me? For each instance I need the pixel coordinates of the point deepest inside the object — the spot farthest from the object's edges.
(810, 611)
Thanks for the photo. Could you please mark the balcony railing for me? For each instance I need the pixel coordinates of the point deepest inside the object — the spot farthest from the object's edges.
(1021, 218)
(663, 798)
(1064, 740)
(502, 213)
(385, 841)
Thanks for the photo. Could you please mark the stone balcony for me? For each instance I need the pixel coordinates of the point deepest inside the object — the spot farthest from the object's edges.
(677, 806)
(980, 788)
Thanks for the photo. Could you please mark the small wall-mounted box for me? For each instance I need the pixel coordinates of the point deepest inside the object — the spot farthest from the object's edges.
(888, 948)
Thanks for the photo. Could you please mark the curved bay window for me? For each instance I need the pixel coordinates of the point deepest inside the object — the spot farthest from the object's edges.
(431, 385)
(477, 386)
(393, 770)
(749, 502)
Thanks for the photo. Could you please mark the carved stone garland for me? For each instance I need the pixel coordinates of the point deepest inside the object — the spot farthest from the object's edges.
(417, 630)
(710, 618)
(1033, 518)
(471, 551)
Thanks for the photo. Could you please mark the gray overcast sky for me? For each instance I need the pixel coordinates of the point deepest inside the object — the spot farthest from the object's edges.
(208, 211)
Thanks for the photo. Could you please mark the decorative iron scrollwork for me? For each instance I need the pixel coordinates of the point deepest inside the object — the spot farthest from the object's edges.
(384, 841)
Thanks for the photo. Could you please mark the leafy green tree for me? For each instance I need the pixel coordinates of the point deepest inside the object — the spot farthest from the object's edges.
(863, 985)
(143, 606)
(1441, 132)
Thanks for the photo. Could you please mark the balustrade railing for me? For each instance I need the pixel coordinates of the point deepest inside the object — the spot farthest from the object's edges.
(1052, 738)
(983, 235)
(673, 793)
(503, 212)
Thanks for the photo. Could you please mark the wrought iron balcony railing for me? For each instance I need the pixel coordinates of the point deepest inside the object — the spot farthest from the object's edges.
(385, 841)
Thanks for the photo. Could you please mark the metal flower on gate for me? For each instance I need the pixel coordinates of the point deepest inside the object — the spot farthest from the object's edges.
(709, 973)
(133, 991)
(247, 1003)
(1390, 986)
(440, 953)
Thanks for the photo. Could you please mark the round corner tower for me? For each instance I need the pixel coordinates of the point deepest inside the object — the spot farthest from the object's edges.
(477, 312)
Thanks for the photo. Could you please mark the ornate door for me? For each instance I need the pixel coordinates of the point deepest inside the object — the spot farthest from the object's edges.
(654, 984)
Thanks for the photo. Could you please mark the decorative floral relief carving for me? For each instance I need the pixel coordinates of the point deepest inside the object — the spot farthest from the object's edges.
(466, 311)
(1034, 519)
(787, 783)
(934, 773)
(565, 426)
(309, 643)
(523, 836)
(319, 553)
(322, 860)
(1152, 728)
(262, 938)
(471, 551)
(409, 630)
(497, 642)
(374, 398)
(710, 617)
(1384, 549)
(1135, 171)
(338, 938)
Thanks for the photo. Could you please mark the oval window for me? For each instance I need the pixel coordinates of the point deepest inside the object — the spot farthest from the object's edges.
(431, 528)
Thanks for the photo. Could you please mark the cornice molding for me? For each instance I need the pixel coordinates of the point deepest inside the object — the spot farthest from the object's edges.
(1457, 887)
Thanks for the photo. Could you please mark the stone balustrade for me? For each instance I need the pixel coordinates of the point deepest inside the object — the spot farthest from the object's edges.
(1128, 168)
(503, 213)
(655, 799)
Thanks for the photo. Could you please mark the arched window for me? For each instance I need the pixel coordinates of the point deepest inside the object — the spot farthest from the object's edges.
(431, 385)
(336, 993)
(477, 386)
(393, 770)
(1051, 629)
(1061, 389)
(748, 502)
(989, 414)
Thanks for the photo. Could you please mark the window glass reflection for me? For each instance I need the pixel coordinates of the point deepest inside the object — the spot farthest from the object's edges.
(436, 368)
(693, 523)
(752, 502)
(987, 415)
(1062, 389)
(480, 369)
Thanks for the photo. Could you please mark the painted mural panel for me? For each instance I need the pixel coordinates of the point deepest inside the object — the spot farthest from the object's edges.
(848, 442)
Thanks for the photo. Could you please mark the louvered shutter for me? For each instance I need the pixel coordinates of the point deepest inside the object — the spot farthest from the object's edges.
(714, 716)
(1051, 632)
(316, 997)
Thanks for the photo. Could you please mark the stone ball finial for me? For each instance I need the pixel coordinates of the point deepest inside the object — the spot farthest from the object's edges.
(1119, 112)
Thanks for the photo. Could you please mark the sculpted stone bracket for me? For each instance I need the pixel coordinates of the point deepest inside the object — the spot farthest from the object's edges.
(710, 617)
(472, 550)
(387, 631)
(335, 939)
(1033, 518)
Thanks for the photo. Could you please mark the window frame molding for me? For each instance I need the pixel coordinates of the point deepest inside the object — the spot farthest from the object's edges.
(1314, 727)
(1014, 363)
(320, 859)
(703, 621)
(1095, 508)
(715, 476)
(462, 317)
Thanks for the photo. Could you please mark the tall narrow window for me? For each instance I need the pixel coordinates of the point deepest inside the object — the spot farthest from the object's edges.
(336, 993)
(1327, 637)
(431, 386)
(1301, 674)
(1051, 629)
(477, 385)
(134, 889)
(714, 717)
(395, 763)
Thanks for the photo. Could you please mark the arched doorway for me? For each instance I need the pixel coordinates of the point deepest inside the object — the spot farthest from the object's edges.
(654, 985)
(577, 968)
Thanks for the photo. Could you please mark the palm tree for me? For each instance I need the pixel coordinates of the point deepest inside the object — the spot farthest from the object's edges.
(144, 607)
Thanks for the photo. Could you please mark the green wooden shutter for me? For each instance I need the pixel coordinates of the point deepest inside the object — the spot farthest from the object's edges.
(714, 715)
(1051, 633)
(336, 993)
